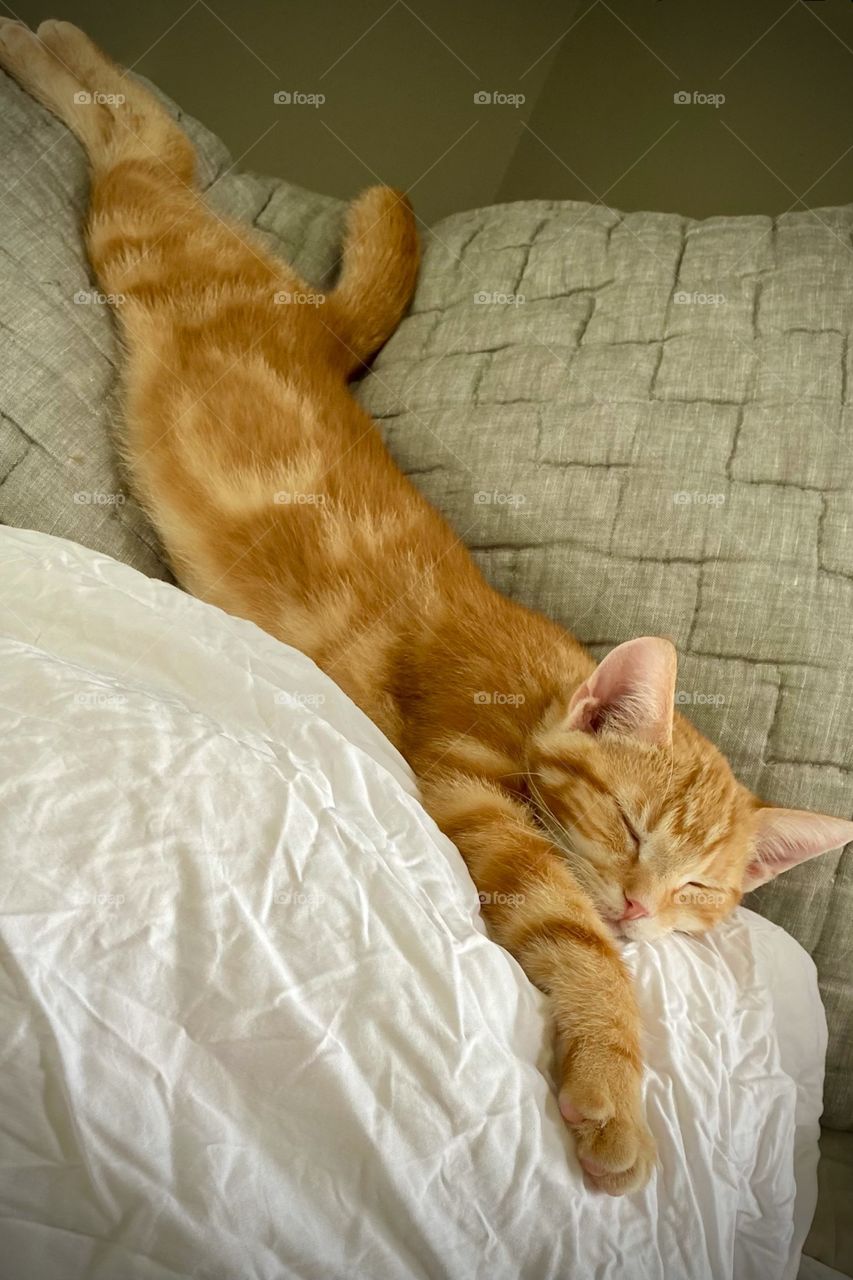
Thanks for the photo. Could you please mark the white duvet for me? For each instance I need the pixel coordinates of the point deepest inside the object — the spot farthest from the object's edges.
(252, 1027)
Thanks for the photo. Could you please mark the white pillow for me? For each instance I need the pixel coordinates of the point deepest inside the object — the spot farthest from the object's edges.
(253, 1026)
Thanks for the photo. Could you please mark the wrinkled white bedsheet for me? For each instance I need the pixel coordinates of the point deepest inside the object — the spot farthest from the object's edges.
(252, 1027)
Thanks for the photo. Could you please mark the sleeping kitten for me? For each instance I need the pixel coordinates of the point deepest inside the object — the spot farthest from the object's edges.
(583, 807)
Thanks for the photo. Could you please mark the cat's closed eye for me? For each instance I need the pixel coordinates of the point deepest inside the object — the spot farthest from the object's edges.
(633, 835)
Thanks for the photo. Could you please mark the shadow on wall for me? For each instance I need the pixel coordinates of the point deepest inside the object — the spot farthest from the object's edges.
(669, 105)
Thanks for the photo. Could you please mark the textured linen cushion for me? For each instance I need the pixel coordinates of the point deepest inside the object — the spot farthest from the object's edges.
(638, 422)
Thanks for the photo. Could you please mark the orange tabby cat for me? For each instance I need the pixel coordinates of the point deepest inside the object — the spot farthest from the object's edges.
(581, 805)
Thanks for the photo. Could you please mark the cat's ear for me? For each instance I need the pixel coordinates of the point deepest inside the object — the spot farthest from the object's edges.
(632, 690)
(786, 837)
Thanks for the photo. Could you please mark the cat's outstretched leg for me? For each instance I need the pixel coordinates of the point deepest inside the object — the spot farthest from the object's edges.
(152, 240)
(535, 908)
(113, 116)
(49, 81)
(143, 189)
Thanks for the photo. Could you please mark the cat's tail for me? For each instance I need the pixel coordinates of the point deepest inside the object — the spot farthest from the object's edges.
(380, 267)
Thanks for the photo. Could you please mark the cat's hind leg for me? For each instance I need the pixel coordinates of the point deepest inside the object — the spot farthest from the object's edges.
(112, 115)
(141, 127)
(50, 81)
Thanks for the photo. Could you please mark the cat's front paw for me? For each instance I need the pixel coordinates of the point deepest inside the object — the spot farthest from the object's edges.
(603, 1109)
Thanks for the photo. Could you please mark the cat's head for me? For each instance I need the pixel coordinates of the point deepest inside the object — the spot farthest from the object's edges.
(654, 824)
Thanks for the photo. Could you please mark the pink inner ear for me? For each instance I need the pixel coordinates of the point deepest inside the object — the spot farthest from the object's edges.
(631, 690)
(786, 837)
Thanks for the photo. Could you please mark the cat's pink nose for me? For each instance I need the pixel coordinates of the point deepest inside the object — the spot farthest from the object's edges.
(634, 910)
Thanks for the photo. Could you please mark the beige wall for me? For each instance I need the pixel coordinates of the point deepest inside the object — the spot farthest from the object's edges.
(785, 69)
(399, 96)
(399, 77)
